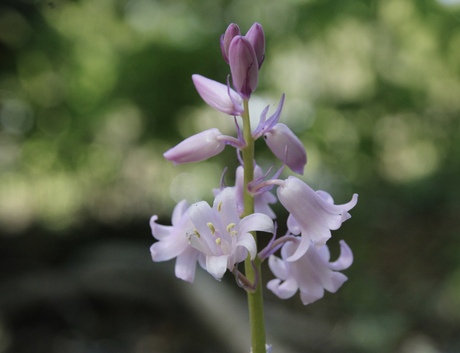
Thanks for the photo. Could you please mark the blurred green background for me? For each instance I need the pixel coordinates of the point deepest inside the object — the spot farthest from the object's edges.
(93, 92)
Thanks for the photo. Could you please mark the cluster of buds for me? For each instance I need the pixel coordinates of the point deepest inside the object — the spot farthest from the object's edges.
(219, 237)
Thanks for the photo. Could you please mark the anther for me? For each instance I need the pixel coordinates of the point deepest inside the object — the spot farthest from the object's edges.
(211, 227)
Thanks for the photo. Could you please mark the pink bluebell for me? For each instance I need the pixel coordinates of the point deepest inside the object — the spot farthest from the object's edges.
(312, 214)
(310, 274)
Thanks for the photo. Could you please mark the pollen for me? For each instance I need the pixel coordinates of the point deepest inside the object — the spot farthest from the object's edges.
(230, 227)
(218, 241)
(195, 232)
(219, 206)
(211, 227)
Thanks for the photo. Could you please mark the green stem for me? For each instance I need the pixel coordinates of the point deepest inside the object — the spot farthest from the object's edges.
(253, 272)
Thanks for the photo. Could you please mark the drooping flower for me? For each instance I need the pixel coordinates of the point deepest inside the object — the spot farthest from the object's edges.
(218, 96)
(201, 146)
(220, 234)
(284, 144)
(312, 214)
(172, 243)
(287, 147)
(311, 274)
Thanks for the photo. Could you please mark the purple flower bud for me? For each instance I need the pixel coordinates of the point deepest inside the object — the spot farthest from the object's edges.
(287, 147)
(243, 66)
(257, 38)
(197, 148)
(225, 39)
(218, 95)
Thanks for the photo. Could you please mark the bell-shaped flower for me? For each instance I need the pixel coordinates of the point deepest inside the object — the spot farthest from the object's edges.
(201, 146)
(287, 147)
(243, 66)
(219, 96)
(172, 243)
(312, 214)
(310, 274)
(225, 39)
(220, 234)
(257, 38)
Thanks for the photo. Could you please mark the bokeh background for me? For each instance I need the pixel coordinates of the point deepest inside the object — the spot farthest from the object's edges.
(93, 92)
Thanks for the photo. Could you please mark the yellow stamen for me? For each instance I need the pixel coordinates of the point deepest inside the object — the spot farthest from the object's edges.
(211, 227)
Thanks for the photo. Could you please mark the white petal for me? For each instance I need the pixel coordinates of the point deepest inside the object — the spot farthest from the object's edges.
(283, 290)
(256, 221)
(186, 265)
(302, 248)
(225, 205)
(216, 266)
(345, 259)
(278, 267)
(167, 249)
(179, 211)
(337, 279)
(308, 297)
(247, 241)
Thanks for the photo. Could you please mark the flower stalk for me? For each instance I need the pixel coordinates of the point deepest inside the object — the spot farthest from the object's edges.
(222, 236)
(252, 270)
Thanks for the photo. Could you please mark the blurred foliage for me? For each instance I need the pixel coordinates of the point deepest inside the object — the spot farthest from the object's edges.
(93, 92)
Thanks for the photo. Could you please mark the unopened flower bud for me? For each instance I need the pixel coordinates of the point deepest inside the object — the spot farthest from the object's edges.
(287, 147)
(218, 95)
(243, 66)
(257, 38)
(197, 148)
(225, 39)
